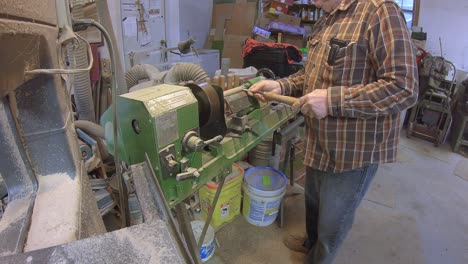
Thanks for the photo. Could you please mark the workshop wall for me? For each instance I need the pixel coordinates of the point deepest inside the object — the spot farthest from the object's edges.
(195, 19)
(182, 17)
(448, 20)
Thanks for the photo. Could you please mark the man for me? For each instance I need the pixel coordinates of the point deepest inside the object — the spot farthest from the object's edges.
(359, 75)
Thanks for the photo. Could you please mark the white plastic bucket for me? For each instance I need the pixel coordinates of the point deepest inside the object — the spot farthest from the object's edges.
(208, 248)
(262, 198)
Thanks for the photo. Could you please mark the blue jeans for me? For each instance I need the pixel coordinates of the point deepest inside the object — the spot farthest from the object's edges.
(331, 201)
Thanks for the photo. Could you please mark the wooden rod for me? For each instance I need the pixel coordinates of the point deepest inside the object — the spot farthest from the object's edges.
(222, 82)
(280, 98)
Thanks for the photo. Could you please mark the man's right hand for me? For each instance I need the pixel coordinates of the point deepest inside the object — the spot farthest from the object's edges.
(264, 86)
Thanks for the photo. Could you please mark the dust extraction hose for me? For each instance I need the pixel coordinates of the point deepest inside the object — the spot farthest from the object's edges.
(97, 132)
(91, 128)
(78, 59)
(140, 72)
(184, 72)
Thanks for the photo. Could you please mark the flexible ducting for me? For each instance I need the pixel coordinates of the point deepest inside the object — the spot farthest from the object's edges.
(140, 72)
(95, 131)
(184, 72)
(90, 128)
(78, 59)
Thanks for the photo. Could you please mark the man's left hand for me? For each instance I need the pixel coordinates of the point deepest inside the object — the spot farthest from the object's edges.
(314, 104)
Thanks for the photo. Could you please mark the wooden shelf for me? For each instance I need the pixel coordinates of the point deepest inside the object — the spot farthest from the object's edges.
(308, 21)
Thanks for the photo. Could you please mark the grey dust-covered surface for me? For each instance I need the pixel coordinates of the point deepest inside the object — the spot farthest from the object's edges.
(145, 243)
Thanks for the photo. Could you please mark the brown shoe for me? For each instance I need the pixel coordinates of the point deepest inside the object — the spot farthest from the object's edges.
(296, 243)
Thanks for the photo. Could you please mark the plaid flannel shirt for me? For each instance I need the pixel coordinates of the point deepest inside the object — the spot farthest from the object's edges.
(371, 76)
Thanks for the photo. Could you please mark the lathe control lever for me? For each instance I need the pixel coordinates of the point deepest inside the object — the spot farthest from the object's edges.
(188, 174)
(192, 142)
(171, 162)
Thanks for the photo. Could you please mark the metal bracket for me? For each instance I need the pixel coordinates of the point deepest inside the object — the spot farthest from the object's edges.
(169, 165)
(237, 124)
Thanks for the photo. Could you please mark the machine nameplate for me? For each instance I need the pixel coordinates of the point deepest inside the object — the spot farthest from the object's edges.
(170, 101)
(167, 128)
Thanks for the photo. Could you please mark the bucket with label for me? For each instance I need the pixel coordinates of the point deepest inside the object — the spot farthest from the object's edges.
(208, 248)
(229, 201)
(263, 187)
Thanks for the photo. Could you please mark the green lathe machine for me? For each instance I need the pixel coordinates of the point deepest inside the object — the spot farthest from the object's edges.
(191, 133)
(185, 136)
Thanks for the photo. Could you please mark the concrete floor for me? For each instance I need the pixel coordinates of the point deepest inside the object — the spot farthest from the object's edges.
(415, 212)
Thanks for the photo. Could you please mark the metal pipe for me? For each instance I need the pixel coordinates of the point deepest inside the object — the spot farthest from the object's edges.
(210, 214)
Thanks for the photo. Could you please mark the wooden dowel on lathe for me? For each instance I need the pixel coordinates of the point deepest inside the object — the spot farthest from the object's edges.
(222, 82)
(234, 90)
(236, 80)
(208, 80)
(216, 80)
(230, 79)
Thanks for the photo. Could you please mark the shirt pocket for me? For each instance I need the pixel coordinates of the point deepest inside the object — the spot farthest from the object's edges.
(349, 63)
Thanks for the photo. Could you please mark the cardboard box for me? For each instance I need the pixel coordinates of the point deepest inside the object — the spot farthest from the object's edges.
(295, 40)
(263, 39)
(264, 21)
(240, 17)
(233, 45)
(289, 20)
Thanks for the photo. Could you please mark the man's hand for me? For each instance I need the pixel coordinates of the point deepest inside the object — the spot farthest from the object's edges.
(314, 104)
(264, 86)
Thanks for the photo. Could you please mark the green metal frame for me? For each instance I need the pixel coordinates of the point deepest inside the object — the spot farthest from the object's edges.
(134, 143)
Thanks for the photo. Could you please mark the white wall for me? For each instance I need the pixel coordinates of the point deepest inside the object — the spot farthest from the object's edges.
(181, 16)
(448, 20)
(114, 12)
(172, 22)
(195, 20)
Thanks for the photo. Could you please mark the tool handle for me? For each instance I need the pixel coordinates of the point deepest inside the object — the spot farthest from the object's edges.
(234, 91)
(280, 98)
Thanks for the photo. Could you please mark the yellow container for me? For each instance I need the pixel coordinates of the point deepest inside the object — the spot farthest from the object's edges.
(229, 202)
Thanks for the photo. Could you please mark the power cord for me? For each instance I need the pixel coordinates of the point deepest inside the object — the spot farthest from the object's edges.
(67, 71)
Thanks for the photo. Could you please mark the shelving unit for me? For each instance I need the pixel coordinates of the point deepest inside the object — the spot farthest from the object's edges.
(294, 10)
(297, 8)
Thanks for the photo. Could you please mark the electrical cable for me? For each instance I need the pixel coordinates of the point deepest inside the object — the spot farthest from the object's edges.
(118, 170)
(67, 71)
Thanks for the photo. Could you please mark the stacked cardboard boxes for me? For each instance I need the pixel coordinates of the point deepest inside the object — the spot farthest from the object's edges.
(232, 23)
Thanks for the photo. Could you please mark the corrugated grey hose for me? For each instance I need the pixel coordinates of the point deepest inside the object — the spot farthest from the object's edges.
(96, 131)
(78, 59)
(140, 72)
(184, 72)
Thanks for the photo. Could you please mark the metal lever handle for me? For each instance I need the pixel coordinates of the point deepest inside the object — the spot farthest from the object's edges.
(213, 140)
(188, 174)
(192, 142)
